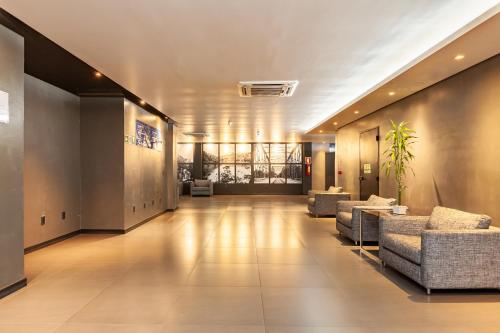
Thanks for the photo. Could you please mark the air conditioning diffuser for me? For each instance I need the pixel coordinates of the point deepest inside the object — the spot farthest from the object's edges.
(267, 88)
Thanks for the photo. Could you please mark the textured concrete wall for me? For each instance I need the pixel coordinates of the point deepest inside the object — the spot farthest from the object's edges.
(145, 182)
(458, 159)
(11, 159)
(102, 159)
(52, 178)
(318, 165)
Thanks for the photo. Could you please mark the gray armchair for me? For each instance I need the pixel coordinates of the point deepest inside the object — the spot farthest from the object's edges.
(448, 250)
(325, 203)
(202, 187)
(348, 217)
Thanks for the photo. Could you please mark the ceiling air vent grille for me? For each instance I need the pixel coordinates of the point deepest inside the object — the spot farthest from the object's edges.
(267, 88)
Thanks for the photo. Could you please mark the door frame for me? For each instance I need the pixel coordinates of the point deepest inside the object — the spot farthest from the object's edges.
(378, 157)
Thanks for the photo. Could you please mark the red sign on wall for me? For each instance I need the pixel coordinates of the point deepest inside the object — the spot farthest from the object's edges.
(308, 166)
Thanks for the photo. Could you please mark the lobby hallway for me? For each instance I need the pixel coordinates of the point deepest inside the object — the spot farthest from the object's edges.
(230, 264)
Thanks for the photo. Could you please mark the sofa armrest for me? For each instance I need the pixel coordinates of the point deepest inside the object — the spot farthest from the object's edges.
(461, 258)
(327, 201)
(405, 225)
(346, 206)
(211, 187)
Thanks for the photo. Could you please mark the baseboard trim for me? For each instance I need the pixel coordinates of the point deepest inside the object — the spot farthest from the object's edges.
(137, 225)
(53, 241)
(90, 231)
(13, 288)
(103, 231)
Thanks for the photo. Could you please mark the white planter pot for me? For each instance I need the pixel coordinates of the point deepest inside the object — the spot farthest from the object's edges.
(399, 210)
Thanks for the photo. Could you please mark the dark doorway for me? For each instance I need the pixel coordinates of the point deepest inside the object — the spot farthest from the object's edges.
(329, 170)
(368, 163)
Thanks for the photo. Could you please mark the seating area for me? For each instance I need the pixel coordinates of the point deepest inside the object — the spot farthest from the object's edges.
(450, 249)
(202, 187)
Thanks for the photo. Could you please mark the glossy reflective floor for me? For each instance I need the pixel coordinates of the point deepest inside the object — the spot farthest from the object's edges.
(231, 264)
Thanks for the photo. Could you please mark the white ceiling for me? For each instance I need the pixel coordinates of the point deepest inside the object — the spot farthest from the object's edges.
(185, 57)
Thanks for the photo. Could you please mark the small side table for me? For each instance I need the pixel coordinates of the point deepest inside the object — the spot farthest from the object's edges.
(374, 212)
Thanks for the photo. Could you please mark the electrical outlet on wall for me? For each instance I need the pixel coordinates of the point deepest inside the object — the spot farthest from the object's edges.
(63, 215)
(144, 205)
(133, 209)
(42, 219)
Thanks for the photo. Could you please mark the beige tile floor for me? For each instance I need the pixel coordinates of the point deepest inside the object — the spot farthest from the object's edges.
(231, 264)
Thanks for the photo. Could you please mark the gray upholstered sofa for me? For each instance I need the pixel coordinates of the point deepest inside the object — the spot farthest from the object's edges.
(322, 203)
(202, 187)
(331, 189)
(450, 249)
(348, 215)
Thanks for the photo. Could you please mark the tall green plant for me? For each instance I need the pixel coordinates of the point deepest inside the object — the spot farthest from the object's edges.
(398, 155)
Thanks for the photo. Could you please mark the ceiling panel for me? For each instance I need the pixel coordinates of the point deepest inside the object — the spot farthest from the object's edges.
(186, 57)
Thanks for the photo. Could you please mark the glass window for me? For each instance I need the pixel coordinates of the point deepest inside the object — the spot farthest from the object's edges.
(243, 153)
(185, 152)
(261, 173)
(211, 172)
(210, 153)
(243, 173)
(278, 173)
(277, 153)
(294, 173)
(185, 172)
(227, 153)
(227, 173)
(261, 153)
(294, 152)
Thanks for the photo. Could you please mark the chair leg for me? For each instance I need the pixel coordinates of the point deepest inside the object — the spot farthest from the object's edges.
(356, 243)
(428, 291)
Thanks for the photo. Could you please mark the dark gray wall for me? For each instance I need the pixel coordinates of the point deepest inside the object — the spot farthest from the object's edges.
(51, 161)
(102, 162)
(11, 159)
(457, 156)
(145, 177)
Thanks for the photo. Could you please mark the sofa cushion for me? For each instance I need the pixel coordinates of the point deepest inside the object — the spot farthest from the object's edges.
(375, 200)
(406, 246)
(333, 189)
(443, 218)
(345, 218)
(311, 201)
(201, 183)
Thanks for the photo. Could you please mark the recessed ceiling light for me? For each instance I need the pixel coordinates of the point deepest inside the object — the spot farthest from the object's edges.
(97, 74)
(356, 112)
(321, 131)
(229, 123)
(142, 102)
(335, 123)
(459, 57)
(392, 93)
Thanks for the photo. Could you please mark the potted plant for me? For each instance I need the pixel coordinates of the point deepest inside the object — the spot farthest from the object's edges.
(398, 157)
